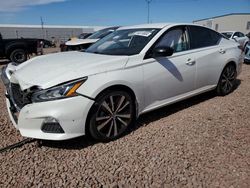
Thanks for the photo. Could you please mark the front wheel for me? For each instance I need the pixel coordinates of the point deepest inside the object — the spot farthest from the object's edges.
(112, 114)
(227, 80)
(18, 56)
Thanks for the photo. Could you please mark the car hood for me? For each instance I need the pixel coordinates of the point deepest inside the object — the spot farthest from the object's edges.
(74, 42)
(50, 70)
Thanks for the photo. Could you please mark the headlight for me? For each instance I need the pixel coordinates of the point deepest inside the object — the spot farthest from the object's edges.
(58, 92)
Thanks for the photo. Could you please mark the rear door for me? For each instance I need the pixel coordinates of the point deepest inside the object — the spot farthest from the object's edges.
(209, 55)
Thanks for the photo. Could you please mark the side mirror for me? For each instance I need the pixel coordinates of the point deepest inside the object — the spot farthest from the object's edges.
(1, 38)
(163, 51)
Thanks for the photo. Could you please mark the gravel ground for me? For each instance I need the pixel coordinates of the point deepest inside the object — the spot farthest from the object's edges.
(200, 142)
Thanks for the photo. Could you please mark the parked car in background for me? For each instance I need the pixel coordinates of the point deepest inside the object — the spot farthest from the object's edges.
(47, 43)
(236, 36)
(247, 53)
(17, 50)
(81, 44)
(84, 35)
(132, 71)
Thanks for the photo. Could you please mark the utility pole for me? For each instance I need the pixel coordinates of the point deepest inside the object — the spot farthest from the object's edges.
(42, 23)
(148, 2)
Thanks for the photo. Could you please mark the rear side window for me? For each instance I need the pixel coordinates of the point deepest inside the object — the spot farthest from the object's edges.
(241, 34)
(203, 37)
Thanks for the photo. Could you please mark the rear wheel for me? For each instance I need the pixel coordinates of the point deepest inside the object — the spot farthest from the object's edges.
(111, 116)
(18, 56)
(227, 80)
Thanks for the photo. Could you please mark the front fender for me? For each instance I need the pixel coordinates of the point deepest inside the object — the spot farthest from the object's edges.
(130, 78)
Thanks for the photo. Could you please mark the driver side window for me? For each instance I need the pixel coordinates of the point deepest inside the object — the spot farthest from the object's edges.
(176, 39)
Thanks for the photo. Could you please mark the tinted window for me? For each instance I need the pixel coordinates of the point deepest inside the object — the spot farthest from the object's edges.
(236, 34)
(101, 33)
(176, 39)
(227, 34)
(241, 34)
(203, 37)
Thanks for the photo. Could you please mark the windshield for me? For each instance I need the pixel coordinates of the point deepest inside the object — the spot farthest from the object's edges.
(227, 34)
(101, 33)
(123, 42)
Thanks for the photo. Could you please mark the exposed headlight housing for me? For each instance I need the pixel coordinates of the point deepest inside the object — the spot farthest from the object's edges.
(58, 92)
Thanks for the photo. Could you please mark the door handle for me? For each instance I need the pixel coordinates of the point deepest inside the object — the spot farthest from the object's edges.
(222, 51)
(190, 62)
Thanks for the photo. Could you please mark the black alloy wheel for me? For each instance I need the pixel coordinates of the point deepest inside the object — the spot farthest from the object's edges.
(18, 56)
(112, 114)
(227, 80)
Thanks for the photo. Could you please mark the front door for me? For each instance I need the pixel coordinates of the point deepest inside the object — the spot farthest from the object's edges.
(167, 78)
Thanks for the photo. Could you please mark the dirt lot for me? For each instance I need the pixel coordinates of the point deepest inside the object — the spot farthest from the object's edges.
(200, 142)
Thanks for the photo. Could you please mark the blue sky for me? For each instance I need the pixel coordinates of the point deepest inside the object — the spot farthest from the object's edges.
(114, 12)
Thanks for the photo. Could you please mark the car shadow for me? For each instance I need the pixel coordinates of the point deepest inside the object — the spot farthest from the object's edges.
(84, 141)
(170, 66)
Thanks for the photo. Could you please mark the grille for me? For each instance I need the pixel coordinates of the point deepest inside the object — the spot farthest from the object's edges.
(19, 97)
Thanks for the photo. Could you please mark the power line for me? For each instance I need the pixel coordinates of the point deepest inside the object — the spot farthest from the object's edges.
(42, 23)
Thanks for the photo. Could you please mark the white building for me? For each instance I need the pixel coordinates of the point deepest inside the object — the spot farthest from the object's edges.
(60, 33)
(228, 22)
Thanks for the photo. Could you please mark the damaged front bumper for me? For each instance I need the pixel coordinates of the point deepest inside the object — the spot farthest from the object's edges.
(52, 120)
(11, 107)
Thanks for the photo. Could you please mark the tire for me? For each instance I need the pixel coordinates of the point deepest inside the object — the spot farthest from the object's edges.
(227, 80)
(111, 115)
(18, 56)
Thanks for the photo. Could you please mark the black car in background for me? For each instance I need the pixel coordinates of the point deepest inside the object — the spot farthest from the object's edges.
(18, 50)
(47, 43)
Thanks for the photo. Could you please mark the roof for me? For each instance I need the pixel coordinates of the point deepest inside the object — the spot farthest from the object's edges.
(231, 14)
(154, 25)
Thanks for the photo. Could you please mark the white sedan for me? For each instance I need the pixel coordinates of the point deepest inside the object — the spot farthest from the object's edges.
(76, 44)
(237, 36)
(134, 70)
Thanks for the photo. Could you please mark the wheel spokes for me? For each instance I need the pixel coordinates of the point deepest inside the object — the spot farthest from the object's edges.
(113, 115)
(106, 106)
(112, 103)
(102, 118)
(228, 78)
(110, 129)
(124, 106)
(127, 116)
(115, 128)
(123, 122)
(120, 103)
(101, 126)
